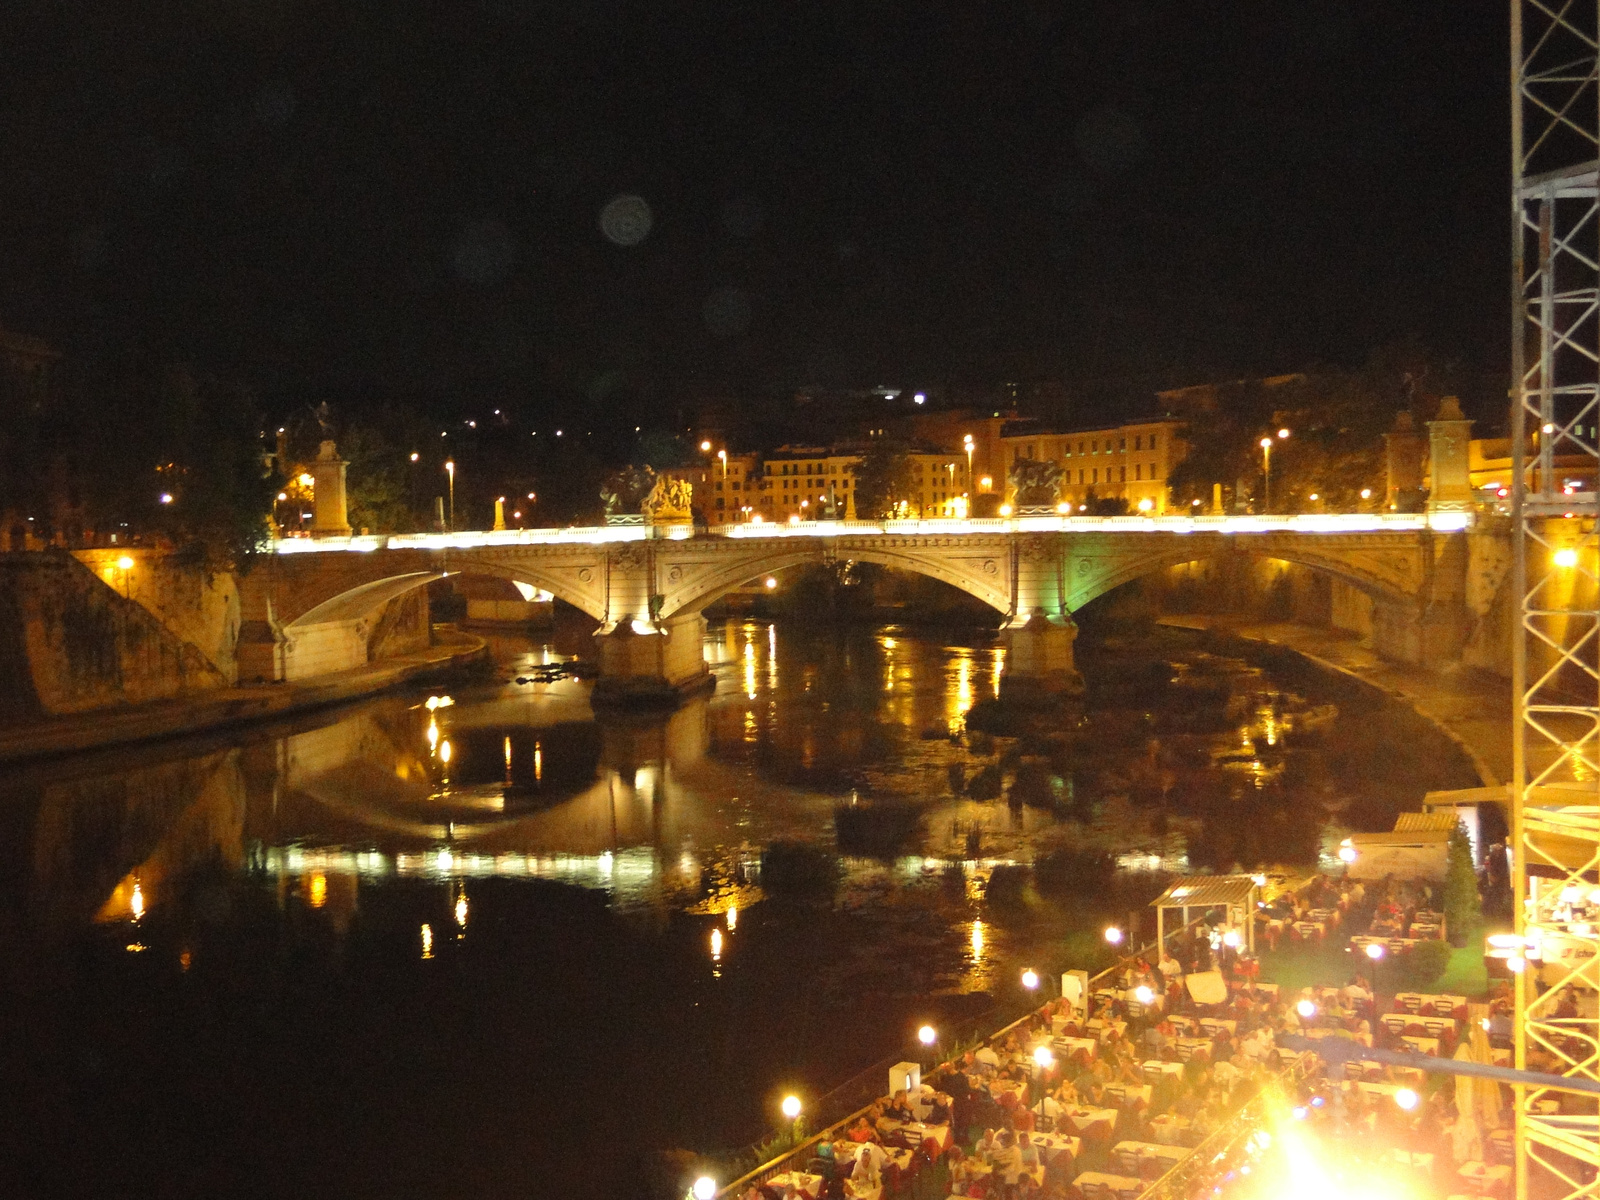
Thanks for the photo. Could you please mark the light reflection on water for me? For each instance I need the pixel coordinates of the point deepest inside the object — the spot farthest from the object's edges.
(625, 848)
(516, 781)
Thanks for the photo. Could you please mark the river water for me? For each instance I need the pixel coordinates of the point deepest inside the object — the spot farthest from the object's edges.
(472, 942)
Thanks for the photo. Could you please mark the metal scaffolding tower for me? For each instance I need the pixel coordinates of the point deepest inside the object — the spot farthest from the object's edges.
(1555, 827)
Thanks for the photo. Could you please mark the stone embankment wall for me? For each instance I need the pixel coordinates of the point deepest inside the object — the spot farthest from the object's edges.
(70, 643)
(1477, 620)
(196, 606)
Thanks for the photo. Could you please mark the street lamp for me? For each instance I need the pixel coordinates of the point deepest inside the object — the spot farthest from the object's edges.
(966, 444)
(1114, 935)
(705, 1188)
(927, 1035)
(791, 1108)
(1043, 1060)
(1030, 979)
(450, 470)
(1266, 474)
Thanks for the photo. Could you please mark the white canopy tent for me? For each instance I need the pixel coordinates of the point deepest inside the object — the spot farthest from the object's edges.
(1239, 894)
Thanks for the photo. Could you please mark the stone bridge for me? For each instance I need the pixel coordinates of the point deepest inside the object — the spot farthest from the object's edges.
(313, 605)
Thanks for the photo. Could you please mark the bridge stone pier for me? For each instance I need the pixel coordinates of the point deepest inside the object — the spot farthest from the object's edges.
(313, 605)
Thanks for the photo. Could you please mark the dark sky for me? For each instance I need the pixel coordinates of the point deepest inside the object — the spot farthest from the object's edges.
(401, 201)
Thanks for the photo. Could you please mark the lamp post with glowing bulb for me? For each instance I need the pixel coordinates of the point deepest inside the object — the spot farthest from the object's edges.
(1266, 470)
(1375, 952)
(791, 1113)
(705, 1188)
(1043, 1060)
(450, 470)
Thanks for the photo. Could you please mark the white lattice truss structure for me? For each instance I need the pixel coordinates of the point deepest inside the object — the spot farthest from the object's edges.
(1555, 47)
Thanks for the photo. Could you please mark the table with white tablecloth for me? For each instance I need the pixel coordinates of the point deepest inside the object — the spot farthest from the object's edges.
(1148, 1160)
(807, 1185)
(1056, 1149)
(1154, 1069)
(1100, 1185)
(1066, 1047)
(1122, 1093)
(917, 1132)
(1170, 1130)
(1092, 1122)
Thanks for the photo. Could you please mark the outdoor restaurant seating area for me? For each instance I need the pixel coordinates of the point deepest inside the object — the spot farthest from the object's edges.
(1097, 1099)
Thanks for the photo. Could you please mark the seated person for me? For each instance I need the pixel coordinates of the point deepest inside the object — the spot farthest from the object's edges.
(987, 1145)
(1028, 1153)
(899, 1108)
(861, 1131)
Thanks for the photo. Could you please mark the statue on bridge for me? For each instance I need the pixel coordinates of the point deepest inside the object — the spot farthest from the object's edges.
(670, 502)
(624, 493)
(1037, 483)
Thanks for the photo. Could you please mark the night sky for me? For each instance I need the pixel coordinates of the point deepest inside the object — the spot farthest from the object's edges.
(401, 202)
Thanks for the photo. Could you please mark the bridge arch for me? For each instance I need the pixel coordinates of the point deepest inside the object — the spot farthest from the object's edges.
(704, 588)
(1086, 590)
(299, 584)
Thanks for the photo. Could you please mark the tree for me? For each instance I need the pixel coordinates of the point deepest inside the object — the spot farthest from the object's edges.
(883, 479)
(1336, 418)
(377, 487)
(1463, 910)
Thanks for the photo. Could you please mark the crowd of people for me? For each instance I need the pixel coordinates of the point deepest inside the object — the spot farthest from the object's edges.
(1144, 1064)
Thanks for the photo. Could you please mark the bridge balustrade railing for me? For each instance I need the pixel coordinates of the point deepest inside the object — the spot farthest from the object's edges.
(1311, 523)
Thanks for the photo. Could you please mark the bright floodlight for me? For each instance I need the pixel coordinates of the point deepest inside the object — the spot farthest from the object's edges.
(125, 562)
(1143, 993)
(1374, 951)
(1283, 433)
(1347, 854)
(1306, 1008)
(927, 1035)
(1030, 979)
(1266, 443)
(1406, 1099)
(771, 583)
(1114, 935)
(1566, 557)
(705, 445)
(705, 1188)
(791, 1107)
(1043, 1057)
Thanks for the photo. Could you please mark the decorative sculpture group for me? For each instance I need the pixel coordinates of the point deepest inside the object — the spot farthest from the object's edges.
(637, 495)
(1037, 483)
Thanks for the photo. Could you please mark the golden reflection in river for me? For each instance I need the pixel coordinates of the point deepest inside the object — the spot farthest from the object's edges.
(772, 657)
(749, 663)
(960, 700)
(999, 668)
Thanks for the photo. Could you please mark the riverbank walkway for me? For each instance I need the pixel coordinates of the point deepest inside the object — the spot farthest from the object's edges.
(1472, 707)
(222, 708)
